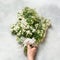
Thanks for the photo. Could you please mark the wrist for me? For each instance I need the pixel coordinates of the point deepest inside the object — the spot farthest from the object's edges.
(30, 58)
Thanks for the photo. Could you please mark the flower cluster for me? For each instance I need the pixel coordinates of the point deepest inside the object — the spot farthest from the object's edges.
(30, 25)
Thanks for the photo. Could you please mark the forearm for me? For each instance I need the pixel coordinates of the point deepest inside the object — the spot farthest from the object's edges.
(31, 52)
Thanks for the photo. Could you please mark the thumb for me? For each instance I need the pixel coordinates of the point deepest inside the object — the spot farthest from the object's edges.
(28, 46)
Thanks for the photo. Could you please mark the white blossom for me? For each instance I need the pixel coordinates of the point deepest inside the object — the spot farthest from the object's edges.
(33, 30)
(31, 41)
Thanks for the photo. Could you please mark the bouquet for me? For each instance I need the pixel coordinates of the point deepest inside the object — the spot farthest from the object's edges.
(30, 27)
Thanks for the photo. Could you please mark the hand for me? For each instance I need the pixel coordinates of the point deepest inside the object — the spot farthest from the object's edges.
(31, 52)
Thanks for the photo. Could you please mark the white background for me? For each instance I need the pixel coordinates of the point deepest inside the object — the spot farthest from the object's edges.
(10, 49)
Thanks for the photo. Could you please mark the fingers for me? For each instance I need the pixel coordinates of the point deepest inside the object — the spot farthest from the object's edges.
(28, 46)
(36, 47)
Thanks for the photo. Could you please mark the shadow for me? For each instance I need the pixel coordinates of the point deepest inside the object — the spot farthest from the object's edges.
(52, 12)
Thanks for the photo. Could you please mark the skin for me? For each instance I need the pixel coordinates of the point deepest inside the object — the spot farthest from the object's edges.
(31, 52)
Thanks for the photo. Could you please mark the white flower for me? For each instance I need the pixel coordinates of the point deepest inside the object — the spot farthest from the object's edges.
(36, 25)
(16, 28)
(27, 26)
(33, 30)
(23, 24)
(12, 26)
(19, 33)
(23, 30)
(28, 32)
(41, 31)
(43, 25)
(31, 41)
(48, 23)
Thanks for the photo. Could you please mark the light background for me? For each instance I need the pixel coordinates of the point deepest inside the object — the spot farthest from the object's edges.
(9, 48)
